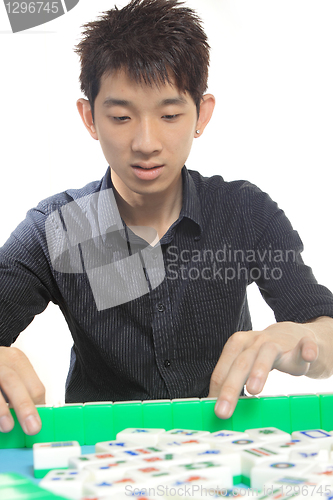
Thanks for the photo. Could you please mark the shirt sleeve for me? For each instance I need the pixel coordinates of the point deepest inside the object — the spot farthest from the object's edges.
(285, 282)
(26, 281)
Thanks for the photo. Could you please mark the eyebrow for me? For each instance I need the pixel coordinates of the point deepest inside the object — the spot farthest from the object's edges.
(110, 101)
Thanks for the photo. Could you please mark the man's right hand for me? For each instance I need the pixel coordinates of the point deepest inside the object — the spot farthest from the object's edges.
(23, 389)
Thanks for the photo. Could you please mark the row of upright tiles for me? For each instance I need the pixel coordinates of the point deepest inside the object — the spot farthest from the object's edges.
(90, 423)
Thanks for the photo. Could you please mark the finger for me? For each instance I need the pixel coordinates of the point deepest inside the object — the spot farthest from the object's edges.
(19, 362)
(297, 361)
(6, 419)
(232, 349)
(234, 383)
(20, 400)
(309, 349)
(267, 354)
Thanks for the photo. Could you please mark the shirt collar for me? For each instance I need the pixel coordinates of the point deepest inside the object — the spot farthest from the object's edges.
(108, 214)
(191, 203)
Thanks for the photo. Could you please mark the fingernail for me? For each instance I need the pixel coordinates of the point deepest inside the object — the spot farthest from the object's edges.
(6, 424)
(254, 384)
(222, 409)
(32, 425)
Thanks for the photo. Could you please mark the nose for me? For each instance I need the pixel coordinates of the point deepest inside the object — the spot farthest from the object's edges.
(146, 139)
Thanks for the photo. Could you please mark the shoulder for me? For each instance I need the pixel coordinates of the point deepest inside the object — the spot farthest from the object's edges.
(237, 191)
(56, 201)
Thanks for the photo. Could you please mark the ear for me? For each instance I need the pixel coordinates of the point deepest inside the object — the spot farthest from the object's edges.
(207, 106)
(84, 108)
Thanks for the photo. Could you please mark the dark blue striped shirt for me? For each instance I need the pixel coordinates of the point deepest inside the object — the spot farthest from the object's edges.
(165, 343)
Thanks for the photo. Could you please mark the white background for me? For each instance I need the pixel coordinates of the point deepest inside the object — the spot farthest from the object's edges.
(271, 73)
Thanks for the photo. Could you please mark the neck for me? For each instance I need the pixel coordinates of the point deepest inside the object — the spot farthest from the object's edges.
(153, 210)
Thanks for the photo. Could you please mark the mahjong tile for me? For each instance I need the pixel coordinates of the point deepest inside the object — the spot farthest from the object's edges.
(232, 460)
(141, 452)
(273, 469)
(153, 475)
(287, 487)
(238, 445)
(165, 459)
(317, 437)
(111, 470)
(314, 455)
(215, 439)
(146, 437)
(181, 435)
(188, 446)
(256, 455)
(195, 486)
(65, 482)
(268, 434)
(54, 455)
(83, 461)
(322, 471)
(104, 488)
(292, 445)
(114, 445)
(213, 469)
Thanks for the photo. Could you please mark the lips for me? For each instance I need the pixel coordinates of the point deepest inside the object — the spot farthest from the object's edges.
(146, 166)
(147, 171)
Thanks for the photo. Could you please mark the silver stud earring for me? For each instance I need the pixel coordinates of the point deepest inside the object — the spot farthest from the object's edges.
(197, 131)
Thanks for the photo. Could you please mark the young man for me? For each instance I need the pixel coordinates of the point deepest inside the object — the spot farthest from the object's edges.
(150, 265)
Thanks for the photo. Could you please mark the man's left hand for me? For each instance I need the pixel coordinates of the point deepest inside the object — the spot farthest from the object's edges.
(248, 357)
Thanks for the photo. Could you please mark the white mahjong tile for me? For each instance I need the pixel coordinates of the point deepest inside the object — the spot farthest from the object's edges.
(83, 461)
(141, 452)
(195, 486)
(215, 439)
(181, 435)
(135, 494)
(165, 459)
(297, 487)
(322, 471)
(65, 482)
(54, 455)
(237, 445)
(112, 470)
(146, 437)
(104, 488)
(208, 468)
(114, 445)
(313, 455)
(273, 469)
(268, 434)
(292, 445)
(317, 437)
(233, 460)
(256, 455)
(153, 475)
(190, 446)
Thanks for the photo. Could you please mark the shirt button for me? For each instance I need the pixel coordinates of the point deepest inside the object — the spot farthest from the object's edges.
(167, 363)
(154, 255)
(160, 307)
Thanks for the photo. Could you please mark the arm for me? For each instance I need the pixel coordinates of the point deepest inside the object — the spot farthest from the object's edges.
(248, 357)
(25, 290)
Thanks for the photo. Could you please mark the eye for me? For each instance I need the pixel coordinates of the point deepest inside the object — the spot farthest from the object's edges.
(120, 118)
(170, 117)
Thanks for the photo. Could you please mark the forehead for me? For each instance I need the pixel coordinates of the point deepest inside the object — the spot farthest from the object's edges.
(119, 86)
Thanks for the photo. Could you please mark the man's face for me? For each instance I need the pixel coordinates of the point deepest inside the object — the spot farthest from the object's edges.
(145, 132)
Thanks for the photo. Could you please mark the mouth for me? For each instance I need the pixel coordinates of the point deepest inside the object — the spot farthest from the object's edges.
(146, 167)
(147, 171)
